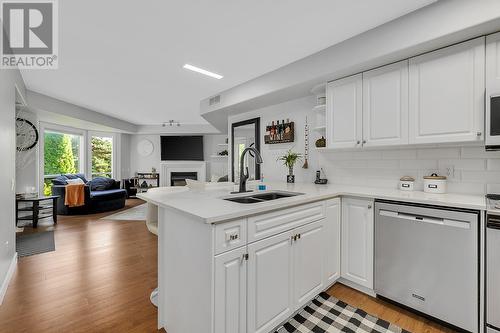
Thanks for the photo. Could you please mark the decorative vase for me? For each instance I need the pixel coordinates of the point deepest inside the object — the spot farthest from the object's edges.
(290, 178)
(321, 143)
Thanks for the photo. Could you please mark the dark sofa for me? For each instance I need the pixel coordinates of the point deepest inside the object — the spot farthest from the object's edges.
(101, 195)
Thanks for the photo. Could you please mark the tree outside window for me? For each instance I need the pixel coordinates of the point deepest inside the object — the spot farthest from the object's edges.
(102, 156)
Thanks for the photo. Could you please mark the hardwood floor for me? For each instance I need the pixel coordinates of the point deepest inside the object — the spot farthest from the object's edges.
(98, 280)
(384, 310)
(100, 277)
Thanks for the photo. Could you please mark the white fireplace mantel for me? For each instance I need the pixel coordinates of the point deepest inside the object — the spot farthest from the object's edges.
(167, 167)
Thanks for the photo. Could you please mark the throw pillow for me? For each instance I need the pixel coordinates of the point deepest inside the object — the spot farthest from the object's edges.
(75, 176)
(60, 180)
(101, 184)
(75, 181)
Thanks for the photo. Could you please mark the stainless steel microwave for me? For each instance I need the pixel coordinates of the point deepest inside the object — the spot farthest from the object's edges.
(493, 123)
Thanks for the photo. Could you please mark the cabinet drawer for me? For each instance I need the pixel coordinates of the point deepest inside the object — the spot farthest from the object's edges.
(265, 225)
(230, 235)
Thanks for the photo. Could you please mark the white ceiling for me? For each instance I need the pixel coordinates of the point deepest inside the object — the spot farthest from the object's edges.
(125, 58)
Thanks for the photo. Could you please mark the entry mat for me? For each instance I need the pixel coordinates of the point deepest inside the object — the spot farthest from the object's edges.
(328, 314)
(35, 243)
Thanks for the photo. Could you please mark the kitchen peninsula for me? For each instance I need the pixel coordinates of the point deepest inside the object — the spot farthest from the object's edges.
(228, 267)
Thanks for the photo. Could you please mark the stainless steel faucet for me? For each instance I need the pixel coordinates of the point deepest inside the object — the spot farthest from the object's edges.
(243, 176)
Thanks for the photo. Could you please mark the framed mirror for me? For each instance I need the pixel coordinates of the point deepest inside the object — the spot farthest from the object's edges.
(245, 134)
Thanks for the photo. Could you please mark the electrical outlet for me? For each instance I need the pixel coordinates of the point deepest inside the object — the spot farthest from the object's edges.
(449, 171)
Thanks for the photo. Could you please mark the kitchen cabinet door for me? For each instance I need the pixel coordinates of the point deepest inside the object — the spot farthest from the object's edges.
(344, 112)
(230, 309)
(332, 241)
(447, 94)
(385, 105)
(357, 241)
(270, 282)
(492, 86)
(308, 262)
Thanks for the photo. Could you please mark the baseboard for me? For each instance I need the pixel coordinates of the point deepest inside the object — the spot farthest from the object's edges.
(8, 276)
(356, 286)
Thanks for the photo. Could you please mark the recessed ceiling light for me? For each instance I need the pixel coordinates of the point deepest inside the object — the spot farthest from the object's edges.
(202, 71)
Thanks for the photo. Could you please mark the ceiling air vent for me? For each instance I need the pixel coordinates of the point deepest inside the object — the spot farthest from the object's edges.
(214, 100)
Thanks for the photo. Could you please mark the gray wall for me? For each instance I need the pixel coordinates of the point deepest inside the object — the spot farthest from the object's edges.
(8, 80)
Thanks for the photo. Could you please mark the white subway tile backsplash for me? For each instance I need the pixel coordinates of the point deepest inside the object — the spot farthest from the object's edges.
(493, 188)
(419, 164)
(493, 164)
(409, 154)
(463, 164)
(478, 152)
(487, 177)
(383, 164)
(475, 171)
(436, 153)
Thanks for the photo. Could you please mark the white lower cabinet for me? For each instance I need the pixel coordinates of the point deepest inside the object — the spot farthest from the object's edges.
(308, 262)
(357, 241)
(231, 292)
(270, 282)
(261, 284)
(332, 241)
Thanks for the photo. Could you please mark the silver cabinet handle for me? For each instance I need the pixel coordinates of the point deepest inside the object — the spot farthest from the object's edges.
(358, 142)
(364, 141)
(369, 206)
(478, 134)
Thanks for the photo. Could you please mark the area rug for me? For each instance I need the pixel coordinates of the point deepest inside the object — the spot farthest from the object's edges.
(35, 243)
(137, 213)
(328, 314)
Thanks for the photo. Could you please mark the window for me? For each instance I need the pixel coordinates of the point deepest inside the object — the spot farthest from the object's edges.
(102, 156)
(63, 153)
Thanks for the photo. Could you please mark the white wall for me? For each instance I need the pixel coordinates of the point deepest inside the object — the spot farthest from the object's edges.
(140, 163)
(144, 164)
(8, 80)
(296, 111)
(27, 161)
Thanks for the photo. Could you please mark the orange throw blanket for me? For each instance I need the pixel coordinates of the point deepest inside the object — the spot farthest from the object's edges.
(75, 195)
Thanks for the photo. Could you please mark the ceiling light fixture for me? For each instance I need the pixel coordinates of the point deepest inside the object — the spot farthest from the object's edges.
(202, 71)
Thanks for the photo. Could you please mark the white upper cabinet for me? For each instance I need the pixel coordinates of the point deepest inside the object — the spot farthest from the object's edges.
(447, 94)
(492, 83)
(344, 112)
(385, 105)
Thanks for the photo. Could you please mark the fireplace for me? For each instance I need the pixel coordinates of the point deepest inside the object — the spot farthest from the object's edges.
(174, 173)
(179, 178)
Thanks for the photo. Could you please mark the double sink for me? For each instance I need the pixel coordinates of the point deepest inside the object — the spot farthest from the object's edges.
(262, 197)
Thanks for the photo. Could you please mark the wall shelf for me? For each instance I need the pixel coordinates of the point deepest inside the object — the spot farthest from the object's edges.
(320, 128)
(320, 108)
(219, 156)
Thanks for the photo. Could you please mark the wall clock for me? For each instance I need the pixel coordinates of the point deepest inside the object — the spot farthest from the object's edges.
(145, 147)
(26, 134)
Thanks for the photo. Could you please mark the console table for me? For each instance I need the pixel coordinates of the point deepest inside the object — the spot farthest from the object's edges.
(40, 208)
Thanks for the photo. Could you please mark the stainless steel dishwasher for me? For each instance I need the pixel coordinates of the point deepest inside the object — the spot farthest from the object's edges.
(426, 258)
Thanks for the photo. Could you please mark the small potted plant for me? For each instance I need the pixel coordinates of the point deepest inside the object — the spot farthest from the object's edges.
(289, 160)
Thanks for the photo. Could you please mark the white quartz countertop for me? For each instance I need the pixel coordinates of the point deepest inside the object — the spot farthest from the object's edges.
(208, 204)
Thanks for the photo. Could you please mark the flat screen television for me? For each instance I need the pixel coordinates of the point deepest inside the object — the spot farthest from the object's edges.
(182, 148)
